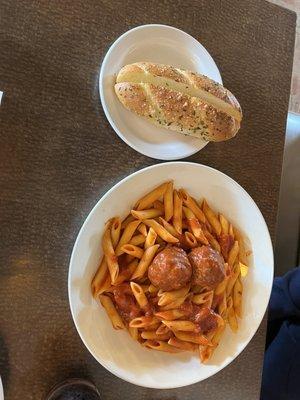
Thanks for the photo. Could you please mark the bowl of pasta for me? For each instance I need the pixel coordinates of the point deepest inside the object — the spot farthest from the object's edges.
(170, 275)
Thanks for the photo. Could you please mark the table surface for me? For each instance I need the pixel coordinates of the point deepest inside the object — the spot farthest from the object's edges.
(58, 156)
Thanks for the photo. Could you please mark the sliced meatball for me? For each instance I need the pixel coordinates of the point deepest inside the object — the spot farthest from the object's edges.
(125, 302)
(208, 267)
(170, 269)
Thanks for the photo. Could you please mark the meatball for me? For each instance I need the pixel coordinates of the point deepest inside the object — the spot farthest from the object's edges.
(207, 320)
(170, 269)
(208, 267)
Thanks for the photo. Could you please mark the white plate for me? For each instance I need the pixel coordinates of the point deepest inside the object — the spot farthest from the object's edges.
(115, 350)
(160, 44)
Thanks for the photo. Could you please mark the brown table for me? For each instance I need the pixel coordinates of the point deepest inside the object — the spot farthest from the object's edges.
(58, 156)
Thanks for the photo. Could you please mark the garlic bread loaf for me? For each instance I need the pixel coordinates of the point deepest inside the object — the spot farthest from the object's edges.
(183, 101)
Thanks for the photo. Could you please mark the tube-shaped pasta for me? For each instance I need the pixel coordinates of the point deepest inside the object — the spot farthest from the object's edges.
(150, 197)
(161, 346)
(127, 272)
(145, 262)
(110, 256)
(99, 277)
(179, 344)
(212, 241)
(204, 298)
(139, 294)
(222, 307)
(190, 240)
(231, 317)
(105, 285)
(161, 231)
(237, 297)
(126, 221)
(169, 315)
(134, 251)
(159, 205)
(195, 225)
(126, 236)
(168, 202)
(115, 231)
(177, 212)
(186, 326)
(134, 333)
(142, 229)
(174, 304)
(232, 279)
(152, 335)
(242, 251)
(170, 228)
(137, 239)
(233, 253)
(192, 205)
(162, 329)
(143, 322)
(212, 218)
(152, 289)
(193, 338)
(224, 224)
(221, 287)
(111, 311)
(150, 238)
(147, 214)
(169, 297)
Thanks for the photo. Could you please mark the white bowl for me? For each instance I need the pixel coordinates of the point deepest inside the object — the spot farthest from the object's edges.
(115, 350)
(160, 44)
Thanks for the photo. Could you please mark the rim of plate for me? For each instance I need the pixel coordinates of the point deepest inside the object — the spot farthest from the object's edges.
(268, 237)
(101, 85)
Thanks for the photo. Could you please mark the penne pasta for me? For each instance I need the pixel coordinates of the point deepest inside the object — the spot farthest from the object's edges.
(212, 241)
(159, 205)
(126, 236)
(142, 229)
(189, 202)
(161, 231)
(233, 253)
(224, 225)
(186, 326)
(169, 315)
(205, 298)
(152, 335)
(162, 329)
(212, 218)
(110, 256)
(126, 221)
(139, 294)
(147, 214)
(161, 346)
(115, 231)
(145, 261)
(143, 322)
(150, 238)
(151, 197)
(179, 344)
(242, 251)
(237, 297)
(195, 226)
(168, 202)
(170, 228)
(133, 250)
(127, 272)
(177, 212)
(137, 240)
(111, 311)
(152, 289)
(174, 304)
(99, 277)
(232, 279)
(134, 333)
(192, 338)
(190, 240)
(170, 297)
(168, 320)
